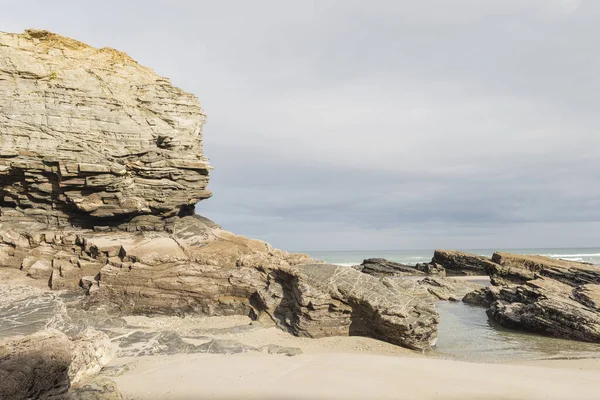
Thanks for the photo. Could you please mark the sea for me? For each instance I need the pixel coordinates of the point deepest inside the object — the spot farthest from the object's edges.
(354, 257)
(465, 332)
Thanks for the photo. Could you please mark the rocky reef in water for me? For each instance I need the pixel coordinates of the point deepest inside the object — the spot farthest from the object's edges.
(534, 293)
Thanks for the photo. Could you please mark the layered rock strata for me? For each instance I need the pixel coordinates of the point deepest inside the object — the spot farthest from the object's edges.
(45, 364)
(461, 263)
(543, 295)
(91, 138)
(101, 164)
(316, 300)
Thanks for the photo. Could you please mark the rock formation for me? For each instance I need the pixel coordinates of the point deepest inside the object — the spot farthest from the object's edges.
(383, 267)
(101, 164)
(449, 289)
(45, 364)
(540, 294)
(316, 300)
(91, 138)
(461, 263)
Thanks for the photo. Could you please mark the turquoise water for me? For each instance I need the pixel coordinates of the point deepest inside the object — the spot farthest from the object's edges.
(465, 333)
(589, 255)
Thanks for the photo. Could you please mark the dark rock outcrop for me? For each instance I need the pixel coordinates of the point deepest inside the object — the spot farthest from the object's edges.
(383, 267)
(543, 295)
(517, 268)
(461, 263)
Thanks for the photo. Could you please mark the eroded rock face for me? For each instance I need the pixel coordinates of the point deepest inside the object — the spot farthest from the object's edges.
(461, 263)
(35, 366)
(316, 300)
(89, 137)
(543, 295)
(383, 267)
(101, 164)
(547, 306)
(516, 268)
(449, 289)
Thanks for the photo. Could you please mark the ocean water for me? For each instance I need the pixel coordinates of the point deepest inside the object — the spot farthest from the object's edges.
(354, 257)
(465, 332)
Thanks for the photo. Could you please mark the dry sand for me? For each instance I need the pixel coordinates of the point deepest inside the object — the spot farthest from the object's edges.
(340, 368)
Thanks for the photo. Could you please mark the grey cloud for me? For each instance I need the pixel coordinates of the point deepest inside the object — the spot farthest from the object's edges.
(379, 124)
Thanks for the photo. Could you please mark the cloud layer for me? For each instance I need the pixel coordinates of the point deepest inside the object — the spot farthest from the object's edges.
(380, 124)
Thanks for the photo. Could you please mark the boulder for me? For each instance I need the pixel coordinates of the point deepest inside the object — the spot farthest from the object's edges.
(316, 300)
(45, 364)
(461, 263)
(35, 366)
(92, 351)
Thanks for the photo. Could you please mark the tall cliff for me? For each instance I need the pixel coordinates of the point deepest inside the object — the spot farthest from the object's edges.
(88, 137)
(101, 165)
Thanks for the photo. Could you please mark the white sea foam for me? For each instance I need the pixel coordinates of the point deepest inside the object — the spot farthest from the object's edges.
(350, 264)
(572, 255)
(572, 258)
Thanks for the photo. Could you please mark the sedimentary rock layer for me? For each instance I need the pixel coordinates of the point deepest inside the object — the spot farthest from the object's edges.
(317, 300)
(101, 164)
(89, 137)
(461, 263)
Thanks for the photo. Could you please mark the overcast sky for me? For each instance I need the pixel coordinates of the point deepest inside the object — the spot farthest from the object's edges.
(348, 124)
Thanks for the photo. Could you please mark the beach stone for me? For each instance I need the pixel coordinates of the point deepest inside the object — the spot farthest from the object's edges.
(92, 350)
(98, 388)
(516, 268)
(35, 366)
(317, 300)
(276, 349)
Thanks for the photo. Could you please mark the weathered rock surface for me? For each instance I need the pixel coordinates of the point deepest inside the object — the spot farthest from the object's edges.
(461, 263)
(45, 364)
(517, 268)
(543, 295)
(448, 289)
(98, 388)
(91, 138)
(547, 306)
(317, 300)
(383, 267)
(92, 351)
(35, 366)
(101, 164)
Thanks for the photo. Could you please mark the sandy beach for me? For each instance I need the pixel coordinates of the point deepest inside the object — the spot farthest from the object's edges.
(338, 368)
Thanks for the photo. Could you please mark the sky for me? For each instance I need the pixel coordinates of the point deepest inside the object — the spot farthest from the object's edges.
(365, 125)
